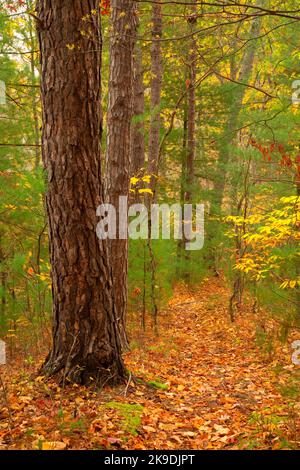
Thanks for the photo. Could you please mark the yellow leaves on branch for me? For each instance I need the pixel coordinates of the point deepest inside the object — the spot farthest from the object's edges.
(290, 284)
(146, 190)
(145, 179)
(265, 232)
(43, 276)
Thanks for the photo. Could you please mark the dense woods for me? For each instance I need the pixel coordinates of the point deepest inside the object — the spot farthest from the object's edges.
(116, 112)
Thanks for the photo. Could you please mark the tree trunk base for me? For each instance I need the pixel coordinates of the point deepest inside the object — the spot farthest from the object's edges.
(89, 371)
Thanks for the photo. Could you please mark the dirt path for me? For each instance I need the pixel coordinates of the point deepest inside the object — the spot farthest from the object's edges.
(211, 388)
(222, 392)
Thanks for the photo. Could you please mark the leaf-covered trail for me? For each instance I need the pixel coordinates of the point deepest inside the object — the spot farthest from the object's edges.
(218, 378)
(210, 388)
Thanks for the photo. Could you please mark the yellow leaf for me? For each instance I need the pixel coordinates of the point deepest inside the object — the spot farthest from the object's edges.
(147, 190)
(284, 285)
(53, 445)
(40, 378)
(146, 178)
(134, 180)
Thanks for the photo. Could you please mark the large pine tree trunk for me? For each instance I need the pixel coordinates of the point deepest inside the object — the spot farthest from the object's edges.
(120, 111)
(86, 342)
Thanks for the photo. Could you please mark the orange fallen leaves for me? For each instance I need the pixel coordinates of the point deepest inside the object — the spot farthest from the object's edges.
(220, 394)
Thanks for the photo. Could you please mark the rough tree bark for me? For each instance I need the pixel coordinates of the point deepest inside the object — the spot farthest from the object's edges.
(86, 343)
(120, 111)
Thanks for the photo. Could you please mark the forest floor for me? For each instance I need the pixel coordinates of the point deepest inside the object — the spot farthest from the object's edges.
(210, 386)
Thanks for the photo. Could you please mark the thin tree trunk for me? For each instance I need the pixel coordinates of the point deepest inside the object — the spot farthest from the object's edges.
(120, 111)
(156, 85)
(228, 135)
(137, 133)
(191, 140)
(235, 301)
(297, 264)
(153, 151)
(191, 137)
(143, 316)
(3, 281)
(86, 343)
(181, 242)
(34, 95)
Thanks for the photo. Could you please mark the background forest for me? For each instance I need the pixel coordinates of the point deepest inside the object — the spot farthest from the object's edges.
(216, 121)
